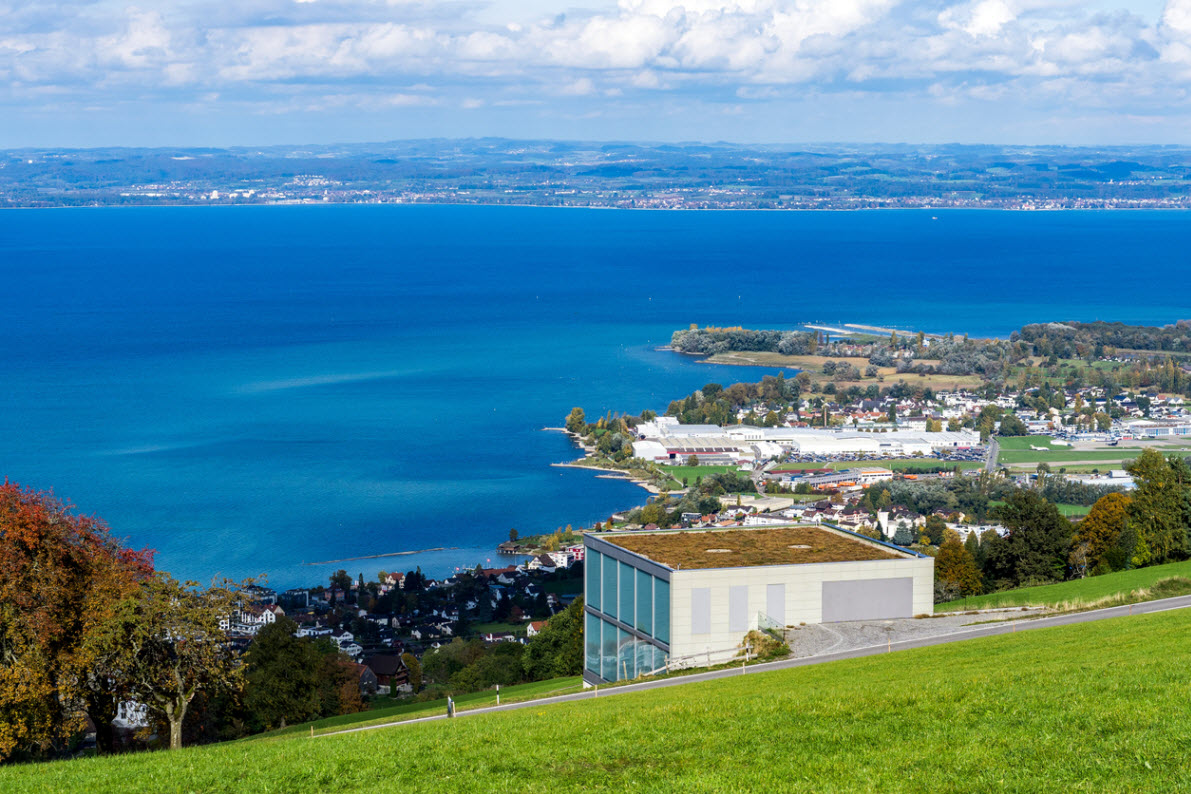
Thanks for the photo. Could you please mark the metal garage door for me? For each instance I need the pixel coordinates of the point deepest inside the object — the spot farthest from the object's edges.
(868, 599)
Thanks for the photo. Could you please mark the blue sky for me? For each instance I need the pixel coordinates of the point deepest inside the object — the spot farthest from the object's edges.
(256, 72)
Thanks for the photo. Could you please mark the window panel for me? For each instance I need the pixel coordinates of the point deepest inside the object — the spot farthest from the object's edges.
(626, 589)
(608, 588)
(738, 607)
(626, 664)
(608, 652)
(700, 610)
(661, 610)
(591, 577)
(644, 620)
(591, 643)
(775, 603)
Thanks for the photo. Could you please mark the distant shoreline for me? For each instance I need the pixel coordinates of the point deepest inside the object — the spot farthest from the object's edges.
(191, 205)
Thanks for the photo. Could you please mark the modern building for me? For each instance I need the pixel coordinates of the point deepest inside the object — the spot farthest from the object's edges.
(686, 598)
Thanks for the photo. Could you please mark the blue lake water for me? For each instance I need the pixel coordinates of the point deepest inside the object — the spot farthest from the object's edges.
(251, 390)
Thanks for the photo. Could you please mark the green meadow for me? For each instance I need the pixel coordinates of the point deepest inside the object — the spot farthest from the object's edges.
(1079, 592)
(1094, 707)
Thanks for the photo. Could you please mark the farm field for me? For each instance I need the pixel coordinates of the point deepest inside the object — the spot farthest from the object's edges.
(1079, 591)
(1086, 707)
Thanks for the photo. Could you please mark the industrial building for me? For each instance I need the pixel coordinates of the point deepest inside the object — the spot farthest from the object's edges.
(664, 440)
(672, 599)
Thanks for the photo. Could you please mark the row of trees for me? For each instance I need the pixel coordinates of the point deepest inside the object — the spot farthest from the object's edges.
(1074, 339)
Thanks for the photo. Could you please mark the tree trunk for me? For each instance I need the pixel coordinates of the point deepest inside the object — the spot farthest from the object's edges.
(176, 714)
(102, 708)
(175, 733)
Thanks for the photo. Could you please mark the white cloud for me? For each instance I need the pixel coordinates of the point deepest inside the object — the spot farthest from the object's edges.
(286, 52)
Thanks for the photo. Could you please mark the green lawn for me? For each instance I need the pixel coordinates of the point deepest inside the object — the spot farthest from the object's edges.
(1094, 708)
(1066, 509)
(1061, 454)
(1024, 442)
(692, 473)
(409, 711)
(1084, 591)
(496, 627)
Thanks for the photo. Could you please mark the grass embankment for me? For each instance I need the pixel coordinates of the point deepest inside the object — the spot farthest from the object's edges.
(428, 708)
(1123, 587)
(1092, 707)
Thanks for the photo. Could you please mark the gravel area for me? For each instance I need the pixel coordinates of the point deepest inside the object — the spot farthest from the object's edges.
(823, 638)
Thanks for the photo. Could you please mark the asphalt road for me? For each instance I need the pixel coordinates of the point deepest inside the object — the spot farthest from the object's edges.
(990, 459)
(1161, 605)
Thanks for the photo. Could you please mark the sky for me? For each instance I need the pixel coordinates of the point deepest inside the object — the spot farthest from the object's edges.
(257, 72)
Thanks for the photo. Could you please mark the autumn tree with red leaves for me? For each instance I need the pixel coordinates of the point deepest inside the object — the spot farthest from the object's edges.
(62, 576)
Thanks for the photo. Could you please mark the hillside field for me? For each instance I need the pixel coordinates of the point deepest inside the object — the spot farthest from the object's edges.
(1090, 707)
(1075, 592)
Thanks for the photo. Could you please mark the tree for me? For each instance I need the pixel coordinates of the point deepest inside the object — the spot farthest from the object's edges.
(513, 535)
(1011, 425)
(414, 668)
(558, 649)
(282, 677)
(1158, 508)
(1037, 546)
(63, 579)
(692, 461)
(179, 642)
(576, 421)
(339, 683)
(341, 580)
(934, 529)
(1101, 529)
(956, 569)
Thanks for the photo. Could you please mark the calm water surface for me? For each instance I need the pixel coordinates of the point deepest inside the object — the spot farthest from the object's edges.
(251, 390)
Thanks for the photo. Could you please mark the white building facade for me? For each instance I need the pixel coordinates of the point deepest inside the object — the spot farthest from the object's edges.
(643, 616)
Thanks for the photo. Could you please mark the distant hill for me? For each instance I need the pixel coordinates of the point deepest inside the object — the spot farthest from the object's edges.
(605, 174)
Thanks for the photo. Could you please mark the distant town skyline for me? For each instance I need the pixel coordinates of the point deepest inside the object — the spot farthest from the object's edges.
(81, 73)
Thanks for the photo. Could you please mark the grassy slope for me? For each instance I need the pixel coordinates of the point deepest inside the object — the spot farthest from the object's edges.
(1078, 708)
(1079, 590)
(410, 711)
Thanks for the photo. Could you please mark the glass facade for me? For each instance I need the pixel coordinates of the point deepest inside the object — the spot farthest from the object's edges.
(628, 602)
(591, 643)
(591, 578)
(616, 655)
(644, 621)
(608, 596)
(661, 610)
(608, 666)
(622, 596)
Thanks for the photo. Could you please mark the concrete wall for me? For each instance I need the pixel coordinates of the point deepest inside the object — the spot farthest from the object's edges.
(803, 590)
